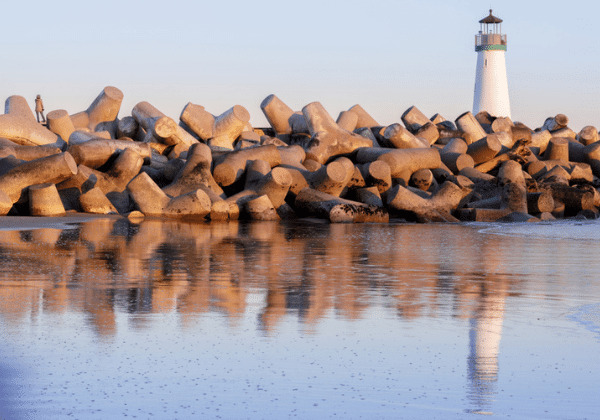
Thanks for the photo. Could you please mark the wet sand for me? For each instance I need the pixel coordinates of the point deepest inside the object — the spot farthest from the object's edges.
(253, 320)
(28, 222)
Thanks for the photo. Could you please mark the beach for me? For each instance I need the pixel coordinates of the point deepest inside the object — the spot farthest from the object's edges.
(102, 318)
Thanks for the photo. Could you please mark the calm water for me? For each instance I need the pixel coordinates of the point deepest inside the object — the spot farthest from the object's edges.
(107, 319)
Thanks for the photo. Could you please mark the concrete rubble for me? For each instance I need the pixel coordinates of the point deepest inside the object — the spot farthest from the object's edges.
(306, 164)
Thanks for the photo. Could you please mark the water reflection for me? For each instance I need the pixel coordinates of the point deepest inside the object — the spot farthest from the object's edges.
(306, 270)
(484, 346)
(312, 272)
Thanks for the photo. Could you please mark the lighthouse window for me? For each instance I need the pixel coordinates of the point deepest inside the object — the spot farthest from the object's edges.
(486, 62)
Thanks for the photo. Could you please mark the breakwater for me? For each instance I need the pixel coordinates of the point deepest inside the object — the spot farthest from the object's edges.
(306, 164)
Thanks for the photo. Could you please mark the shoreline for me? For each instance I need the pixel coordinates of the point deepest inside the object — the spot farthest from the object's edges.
(8, 223)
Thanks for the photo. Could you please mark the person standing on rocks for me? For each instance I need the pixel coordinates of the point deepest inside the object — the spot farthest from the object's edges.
(39, 109)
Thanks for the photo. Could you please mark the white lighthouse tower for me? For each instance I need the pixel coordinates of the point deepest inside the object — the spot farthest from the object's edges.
(491, 85)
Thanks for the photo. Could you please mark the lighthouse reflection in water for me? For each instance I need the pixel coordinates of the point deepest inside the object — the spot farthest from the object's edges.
(109, 318)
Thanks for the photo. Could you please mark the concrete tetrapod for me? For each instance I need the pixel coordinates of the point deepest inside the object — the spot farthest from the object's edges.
(573, 199)
(347, 120)
(232, 165)
(299, 181)
(588, 135)
(592, 157)
(428, 132)
(337, 210)
(298, 123)
(161, 128)
(330, 178)
(485, 119)
(219, 208)
(60, 123)
(228, 126)
(400, 138)
(194, 173)
(328, 139)
(403, 163)
(557, 174)
(514, 198)
(114, 181)
(565, 132)
(517, 132)
(277, 113)
(434, 209)
(352, 171)
(6, 203)
(45, 201)
(261, 208)
(575, 150)
(255, 172)
(83, 136)
(539, 142)
(339, 175)
(199, 120)
(152, 201)
(127, 127)
(51, 169)
(365, 120)
(502, 124)
(124, 168)
(507, 140)
(470, 126)
(484, 149)
(414, 119)
(368, 134)
(275, 185)
(557, 149)
(195, 204)
(95, 153)
(8, 163)
(555, 123)
(261, 180)
(519, 151)
(376, 174)
(422, 179)
(20, 126)
(369, 196)
(438, 118)
(95, 201)
(104, 109)
(454, 155)
(292, 156)
(27, 152)
(537, 202)
(70, 190)
(511, 172)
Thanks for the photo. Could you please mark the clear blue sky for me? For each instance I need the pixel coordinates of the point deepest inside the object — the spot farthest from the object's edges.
(385, 55)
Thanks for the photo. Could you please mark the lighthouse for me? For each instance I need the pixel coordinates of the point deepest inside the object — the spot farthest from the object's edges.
(491, 85)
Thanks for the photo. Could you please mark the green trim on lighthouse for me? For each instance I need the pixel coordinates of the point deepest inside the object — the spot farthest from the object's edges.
(492, 47)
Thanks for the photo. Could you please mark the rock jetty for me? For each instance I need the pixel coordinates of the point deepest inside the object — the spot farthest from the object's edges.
(306, 164)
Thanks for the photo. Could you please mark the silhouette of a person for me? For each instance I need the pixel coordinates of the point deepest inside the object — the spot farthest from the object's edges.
(39, 109)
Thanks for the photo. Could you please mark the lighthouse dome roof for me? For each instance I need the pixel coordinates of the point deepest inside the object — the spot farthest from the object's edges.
(491, 19)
